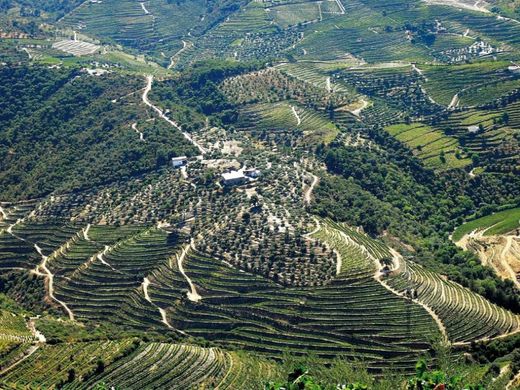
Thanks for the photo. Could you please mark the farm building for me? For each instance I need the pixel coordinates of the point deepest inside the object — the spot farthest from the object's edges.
(234, 178)
(253, 173)
(179, 161)
(514, 68)
(473, 129)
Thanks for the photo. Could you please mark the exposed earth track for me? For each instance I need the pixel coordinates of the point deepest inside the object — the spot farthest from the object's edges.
(161, 113)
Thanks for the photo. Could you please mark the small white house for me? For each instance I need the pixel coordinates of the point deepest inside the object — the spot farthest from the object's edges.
(234, 178)
(253, 173)
(473, 129)
(178, 162)
(514, 68)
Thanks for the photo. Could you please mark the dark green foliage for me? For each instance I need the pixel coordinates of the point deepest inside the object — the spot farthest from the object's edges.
(62, 132)
(198, 89)
(489, 351)
(389, 192)
(27, 290)
(34, 8)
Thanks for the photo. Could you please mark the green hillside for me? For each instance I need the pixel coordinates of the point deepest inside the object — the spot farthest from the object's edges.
(259, 194)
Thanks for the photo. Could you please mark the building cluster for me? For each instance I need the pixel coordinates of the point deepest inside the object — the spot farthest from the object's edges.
(229, 178)
(239, 177)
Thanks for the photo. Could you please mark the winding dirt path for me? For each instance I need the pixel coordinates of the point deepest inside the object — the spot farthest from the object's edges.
(341, 7)
(357, 111)
(148, 88)
(50, 281)
(454, 102)
(442, 328)
(173, 57)
(419, 71)
(101, 257)
(145, 10)
(146, 283)
(308, 191)
(295, 113)
(141, 135)
(27, 354)
(85, 233)
(193, 295)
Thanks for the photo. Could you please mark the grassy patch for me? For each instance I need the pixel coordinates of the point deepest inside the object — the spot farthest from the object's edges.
(501, 222)
(436, 149)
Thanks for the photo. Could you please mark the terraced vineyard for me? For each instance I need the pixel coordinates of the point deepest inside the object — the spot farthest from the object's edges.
(284, 118)
(131, 365)
(433, 147)
(236, 308)
(466, 315)
(469, 85)
(186, 245)
(501, 222)
(447, 301)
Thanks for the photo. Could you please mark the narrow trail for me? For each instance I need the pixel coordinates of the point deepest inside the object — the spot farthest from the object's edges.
(319, 10)
(27, 52)
(101, 258)
(341, 7)
(4, 214)
(513, 382)
(173, 57)
(357, 111)
(50, 281)
(486, 339)
(27, 354)
(499, 17)
(85, 233)
(127, 95)
(378, 277)
(420, 72)
(472, 173)
(141, 135)
(146, 101)
(35, 332)
(193, 295)
(316, 229)
(454, 102)
(146, 283)
(339, 263)
(46, 273)
(295, 113)
(143, 6)
(308, 191)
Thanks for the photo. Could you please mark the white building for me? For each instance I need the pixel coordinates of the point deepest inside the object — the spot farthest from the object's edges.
(233, 178)
(514, 68)
(253, 173)
(473, 129)
(179, 161)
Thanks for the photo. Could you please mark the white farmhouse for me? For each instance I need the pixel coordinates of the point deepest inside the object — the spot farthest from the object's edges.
(473, 129)
(178, 162)
(234, 178)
